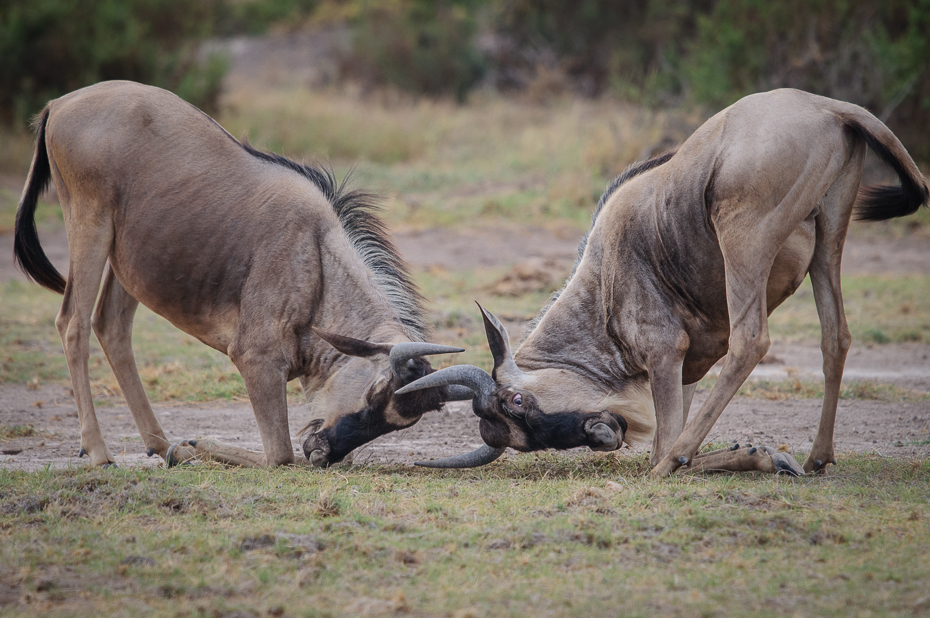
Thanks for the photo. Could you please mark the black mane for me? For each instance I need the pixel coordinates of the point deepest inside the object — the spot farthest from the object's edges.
(632, 171)
(367, 233)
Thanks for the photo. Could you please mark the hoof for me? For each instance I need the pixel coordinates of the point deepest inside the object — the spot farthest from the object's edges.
(818, 466)
(169, 458)
(786, 464)
(735, 446)
(109, 464)
(683, 460)
(172, 459)
(752, 451)
(81, 452)
(150, 452)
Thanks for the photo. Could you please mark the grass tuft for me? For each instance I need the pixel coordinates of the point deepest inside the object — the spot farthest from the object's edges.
(11, 432)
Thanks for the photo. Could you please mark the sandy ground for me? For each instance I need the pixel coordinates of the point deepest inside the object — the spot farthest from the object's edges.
(900, 430)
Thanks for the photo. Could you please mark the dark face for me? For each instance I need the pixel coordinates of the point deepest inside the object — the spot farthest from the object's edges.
(513, 419)
(383, 413)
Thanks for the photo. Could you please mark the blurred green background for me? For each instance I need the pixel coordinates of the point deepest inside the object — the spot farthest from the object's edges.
(658, 53)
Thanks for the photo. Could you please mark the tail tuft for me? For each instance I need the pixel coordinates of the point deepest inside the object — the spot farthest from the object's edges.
(26, 246)
(878, 203)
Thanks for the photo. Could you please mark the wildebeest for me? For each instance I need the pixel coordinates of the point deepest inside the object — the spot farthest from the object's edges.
(266, 260)
(687, 255)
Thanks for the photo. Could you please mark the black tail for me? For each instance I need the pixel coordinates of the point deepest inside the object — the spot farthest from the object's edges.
(877, 203)
(26, 247)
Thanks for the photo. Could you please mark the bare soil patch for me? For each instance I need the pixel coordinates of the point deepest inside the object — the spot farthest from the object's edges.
(899, 430)
(506, 245)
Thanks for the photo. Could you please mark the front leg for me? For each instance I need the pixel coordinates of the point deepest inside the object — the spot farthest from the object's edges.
(747, 459)
(667, 394)
(211, 450)
(265, 375)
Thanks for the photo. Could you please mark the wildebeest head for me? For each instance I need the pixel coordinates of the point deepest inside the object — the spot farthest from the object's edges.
(362, 404)
(508, 405)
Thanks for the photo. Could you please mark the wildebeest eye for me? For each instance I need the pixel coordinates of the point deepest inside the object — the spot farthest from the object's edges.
(517, 400)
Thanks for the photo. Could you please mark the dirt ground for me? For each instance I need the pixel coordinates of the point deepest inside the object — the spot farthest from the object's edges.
(899, 430)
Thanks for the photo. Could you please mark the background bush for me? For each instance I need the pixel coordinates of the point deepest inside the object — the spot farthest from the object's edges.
(652, 52)
(420, 46)
(51, 47)
(872, 52)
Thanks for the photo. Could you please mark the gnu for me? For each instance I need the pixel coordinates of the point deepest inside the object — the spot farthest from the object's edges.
(261, 258)
(687, 256)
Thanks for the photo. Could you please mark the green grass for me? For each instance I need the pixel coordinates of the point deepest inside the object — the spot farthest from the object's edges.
(879, 309)
(175, 366)
(48, 214)
(12, 432)
(172, 364)
(795, 388)
(538, 535)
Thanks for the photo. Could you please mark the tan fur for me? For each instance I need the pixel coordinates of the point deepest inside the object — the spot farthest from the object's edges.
(686, 260)
(239, 252)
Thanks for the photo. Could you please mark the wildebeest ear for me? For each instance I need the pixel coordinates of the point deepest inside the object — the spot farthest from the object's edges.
(505, 369)
(498, 339)
(353, 347)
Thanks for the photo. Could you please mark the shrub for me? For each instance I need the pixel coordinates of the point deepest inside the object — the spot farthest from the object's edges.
(256, 16)
(418, 46)
(51, 47)
(874, 53)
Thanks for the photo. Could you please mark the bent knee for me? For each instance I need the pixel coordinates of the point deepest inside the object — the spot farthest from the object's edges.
(839, 344)
(749, 346)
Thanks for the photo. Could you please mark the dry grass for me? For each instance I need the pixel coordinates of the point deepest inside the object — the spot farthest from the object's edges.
(12, 432)
(537, 535)
(440, 163)
(796, 388)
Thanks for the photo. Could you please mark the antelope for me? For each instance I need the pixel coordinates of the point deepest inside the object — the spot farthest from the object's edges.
(269, 261)
(687, 256)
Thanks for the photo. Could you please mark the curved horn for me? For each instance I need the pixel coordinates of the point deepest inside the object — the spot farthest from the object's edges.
(475, 378)
(457, 392)
(403, 352)
(481, 456)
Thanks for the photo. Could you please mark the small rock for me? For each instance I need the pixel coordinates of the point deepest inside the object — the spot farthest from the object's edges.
(613, 486)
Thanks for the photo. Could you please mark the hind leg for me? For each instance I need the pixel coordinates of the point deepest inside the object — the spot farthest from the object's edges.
(89, 245)
(832, 223)
(112, 324)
